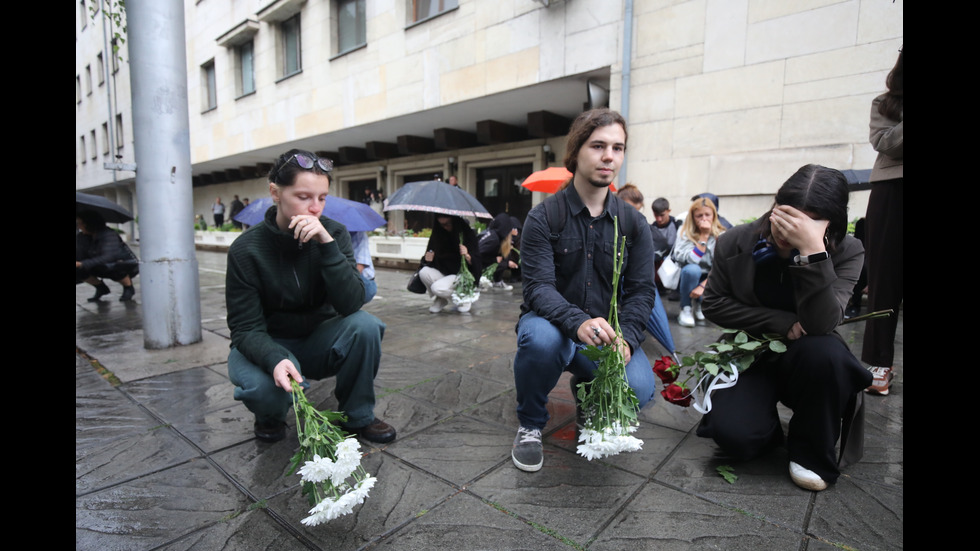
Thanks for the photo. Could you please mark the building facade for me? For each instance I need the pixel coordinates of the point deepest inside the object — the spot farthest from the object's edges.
(724, 96)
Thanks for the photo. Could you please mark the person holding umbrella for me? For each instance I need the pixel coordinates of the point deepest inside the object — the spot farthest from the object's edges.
(101, 254)
(452, 241)
(294, 300)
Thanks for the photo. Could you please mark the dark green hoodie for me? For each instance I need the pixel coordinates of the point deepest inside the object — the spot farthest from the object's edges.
(274, 288)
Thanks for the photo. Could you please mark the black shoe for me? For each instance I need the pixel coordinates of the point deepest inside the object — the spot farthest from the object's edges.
(100, 291)
(377, 431)
(270, 432)
(127, 294)
(673, 295)
(851, 312)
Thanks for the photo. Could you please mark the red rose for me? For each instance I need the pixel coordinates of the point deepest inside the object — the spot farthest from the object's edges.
(676, 394)
(666, 369)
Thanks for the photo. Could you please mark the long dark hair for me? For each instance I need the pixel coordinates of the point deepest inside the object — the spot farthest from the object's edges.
(894, 102)
(821, 192)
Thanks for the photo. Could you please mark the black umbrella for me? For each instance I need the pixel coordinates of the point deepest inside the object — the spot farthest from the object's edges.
(438, 197)
(110, 211)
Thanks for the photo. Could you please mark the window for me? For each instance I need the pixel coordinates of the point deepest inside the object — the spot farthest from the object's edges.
(100, 72)
(81, 149)
(88, 80)
(105, 138)
(78, 89)
(351, 25)
(83, 15)
(424, 9)
(209, 86)
(245, 60)
(289, 43)
(94, 147)
(119, 131)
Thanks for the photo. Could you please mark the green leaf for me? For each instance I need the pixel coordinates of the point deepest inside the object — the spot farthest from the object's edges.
(592, 353)
(727, 473)
(777, 346)
(687, 361)
(751, 345)
(741, 337)
(724, 347)
(712, 368)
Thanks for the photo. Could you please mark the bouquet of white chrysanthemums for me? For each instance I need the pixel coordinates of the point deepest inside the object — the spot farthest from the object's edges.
(608, 403)
(333, 478)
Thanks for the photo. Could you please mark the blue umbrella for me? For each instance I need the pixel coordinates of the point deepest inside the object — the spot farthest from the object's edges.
(658, 326)
(356, 216)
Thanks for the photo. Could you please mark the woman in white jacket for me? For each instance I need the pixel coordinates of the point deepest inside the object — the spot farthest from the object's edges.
(693, 251)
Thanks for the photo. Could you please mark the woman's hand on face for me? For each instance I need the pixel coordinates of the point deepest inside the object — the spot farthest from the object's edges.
(284, 371)
(802, 232)
(308, 227)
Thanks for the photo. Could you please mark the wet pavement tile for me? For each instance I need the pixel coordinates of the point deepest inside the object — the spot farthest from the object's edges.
(152, 510)
(569, 496)
(401, 495)
(199, 404)
(660, 517)
(466, 522)
(457, 449)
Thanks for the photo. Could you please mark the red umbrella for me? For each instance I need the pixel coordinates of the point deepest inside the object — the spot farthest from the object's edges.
(549, 179)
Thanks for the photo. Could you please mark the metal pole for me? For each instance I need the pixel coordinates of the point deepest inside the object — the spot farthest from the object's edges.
(168, 269)
(624, 109)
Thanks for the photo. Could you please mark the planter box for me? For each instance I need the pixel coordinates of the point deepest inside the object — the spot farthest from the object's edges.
(397, 248)
(217, 239)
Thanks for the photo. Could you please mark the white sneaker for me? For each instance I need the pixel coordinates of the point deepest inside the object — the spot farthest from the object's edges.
(805, 478)
(698, 315)
(686, 318)
(438, 304)
(501, 286)
(465, 307)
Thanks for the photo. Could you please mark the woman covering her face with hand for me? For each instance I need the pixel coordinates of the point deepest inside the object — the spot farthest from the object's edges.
(790, 273)
(294, 296)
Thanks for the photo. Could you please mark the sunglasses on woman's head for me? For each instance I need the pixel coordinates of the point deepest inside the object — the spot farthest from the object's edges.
(307, 162)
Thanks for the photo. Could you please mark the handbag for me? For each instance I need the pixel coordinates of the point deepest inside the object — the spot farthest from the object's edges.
(670, 273)
(415, 284)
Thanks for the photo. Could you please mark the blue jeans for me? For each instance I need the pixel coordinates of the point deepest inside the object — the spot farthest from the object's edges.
(370, 289)
(544, 353)
(690, 278)
(345, 347)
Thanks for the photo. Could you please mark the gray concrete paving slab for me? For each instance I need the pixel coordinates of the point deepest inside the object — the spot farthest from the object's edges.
(166, 459)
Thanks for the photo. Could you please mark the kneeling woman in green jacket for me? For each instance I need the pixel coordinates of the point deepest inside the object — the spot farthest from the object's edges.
(294, 299)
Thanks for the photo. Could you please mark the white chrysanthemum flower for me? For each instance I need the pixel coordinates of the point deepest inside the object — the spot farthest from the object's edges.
(610, 440)
(348, 460)
(317, 470)
(362, 489)
(319, 513)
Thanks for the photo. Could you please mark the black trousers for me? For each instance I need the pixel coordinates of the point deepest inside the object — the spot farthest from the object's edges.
(817, 377)
(884, 258)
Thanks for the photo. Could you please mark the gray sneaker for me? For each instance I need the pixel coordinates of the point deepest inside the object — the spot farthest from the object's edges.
(527, 453)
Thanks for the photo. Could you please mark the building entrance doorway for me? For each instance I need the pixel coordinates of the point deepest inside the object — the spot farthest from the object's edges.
(499, 189)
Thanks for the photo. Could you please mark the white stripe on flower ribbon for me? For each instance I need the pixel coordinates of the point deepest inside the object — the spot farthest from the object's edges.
(721, 381)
